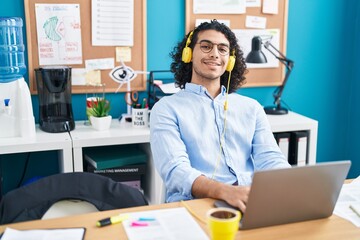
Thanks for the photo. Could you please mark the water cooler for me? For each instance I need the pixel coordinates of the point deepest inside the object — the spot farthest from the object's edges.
(16, 112)
(54, 90)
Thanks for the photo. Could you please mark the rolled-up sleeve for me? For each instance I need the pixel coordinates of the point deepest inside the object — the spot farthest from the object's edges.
(169, 153)
(265, 151)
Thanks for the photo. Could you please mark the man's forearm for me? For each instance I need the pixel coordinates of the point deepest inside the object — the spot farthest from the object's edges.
(236, 196)
(204, 187)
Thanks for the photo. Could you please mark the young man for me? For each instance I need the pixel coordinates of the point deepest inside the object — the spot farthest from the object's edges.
(207, 140)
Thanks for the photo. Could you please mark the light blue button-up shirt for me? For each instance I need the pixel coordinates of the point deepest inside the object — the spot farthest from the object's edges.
(186, 130)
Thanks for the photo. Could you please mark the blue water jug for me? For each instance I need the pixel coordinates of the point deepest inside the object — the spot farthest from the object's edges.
(12, 60)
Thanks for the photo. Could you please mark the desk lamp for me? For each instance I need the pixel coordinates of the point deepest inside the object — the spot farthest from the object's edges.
(257, 56)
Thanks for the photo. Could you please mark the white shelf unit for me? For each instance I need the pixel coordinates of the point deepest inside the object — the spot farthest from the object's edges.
(118, 134)
(71, 147)
(296, 122)
(42, 141)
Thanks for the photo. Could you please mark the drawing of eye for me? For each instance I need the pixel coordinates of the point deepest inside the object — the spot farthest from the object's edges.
(122, 74)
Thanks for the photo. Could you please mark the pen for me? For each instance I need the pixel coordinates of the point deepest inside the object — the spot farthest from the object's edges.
(146, 219)
(143, 103)
(355, 211)
(139, 224)
(111, 220)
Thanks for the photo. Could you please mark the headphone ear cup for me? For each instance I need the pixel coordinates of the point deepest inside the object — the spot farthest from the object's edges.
(186, 55)
(231, 63)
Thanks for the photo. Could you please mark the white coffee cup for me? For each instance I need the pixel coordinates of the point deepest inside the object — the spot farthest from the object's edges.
(140, 117)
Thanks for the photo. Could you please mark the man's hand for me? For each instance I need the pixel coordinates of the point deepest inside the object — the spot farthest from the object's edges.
(236, 196)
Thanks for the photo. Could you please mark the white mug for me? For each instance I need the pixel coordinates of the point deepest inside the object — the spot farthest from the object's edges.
(140, 117)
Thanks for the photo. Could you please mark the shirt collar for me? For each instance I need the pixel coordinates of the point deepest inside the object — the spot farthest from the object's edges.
(200, 90)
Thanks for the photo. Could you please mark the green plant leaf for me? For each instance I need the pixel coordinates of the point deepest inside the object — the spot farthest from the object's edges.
(100, 108)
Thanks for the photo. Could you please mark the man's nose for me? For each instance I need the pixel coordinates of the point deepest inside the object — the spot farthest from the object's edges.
(215, 52)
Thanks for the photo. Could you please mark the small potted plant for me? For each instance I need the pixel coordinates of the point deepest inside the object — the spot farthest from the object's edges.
(99, 114)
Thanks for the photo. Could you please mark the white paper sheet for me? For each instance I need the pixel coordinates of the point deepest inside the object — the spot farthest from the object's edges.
(169, 88)
(58, 33)
(270, 6)
(349, 195)
(112, 23)
(253, 3)
(44, 234)
(166, 224)
(245, 36)
(78, 76)
(99, 64)
(219, 7)
(255, 22)
(201, 20)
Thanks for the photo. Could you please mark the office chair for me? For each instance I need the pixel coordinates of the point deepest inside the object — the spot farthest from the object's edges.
(32, 201)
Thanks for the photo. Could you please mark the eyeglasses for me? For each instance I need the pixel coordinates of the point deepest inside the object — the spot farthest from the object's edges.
(207, 46)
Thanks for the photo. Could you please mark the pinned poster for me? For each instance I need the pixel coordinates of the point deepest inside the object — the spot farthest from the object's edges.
(58, 34)
(112, 23)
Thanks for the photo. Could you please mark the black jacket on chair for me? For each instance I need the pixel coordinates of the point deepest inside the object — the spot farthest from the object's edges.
(31, 202)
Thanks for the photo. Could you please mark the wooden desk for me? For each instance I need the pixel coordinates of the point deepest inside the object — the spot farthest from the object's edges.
(332, 228)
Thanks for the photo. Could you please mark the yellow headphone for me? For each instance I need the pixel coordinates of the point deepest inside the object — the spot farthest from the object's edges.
(187, 54)
(231, 62)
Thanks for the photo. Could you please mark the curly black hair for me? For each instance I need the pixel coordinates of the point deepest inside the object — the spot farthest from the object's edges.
(183, 71)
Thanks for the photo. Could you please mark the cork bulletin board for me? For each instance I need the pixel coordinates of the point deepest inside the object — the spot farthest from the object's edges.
(137, 55)
(256, 77)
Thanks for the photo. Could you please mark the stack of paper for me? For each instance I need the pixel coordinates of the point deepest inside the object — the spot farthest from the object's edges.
(348, 204)
(169, 88)
(170, 224)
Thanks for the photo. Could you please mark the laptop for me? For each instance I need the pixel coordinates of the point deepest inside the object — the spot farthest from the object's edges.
(294, 194)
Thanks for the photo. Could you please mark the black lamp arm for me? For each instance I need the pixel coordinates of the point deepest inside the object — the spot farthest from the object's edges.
(289, 64)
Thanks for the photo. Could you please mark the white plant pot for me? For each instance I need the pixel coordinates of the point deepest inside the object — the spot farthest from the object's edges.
(100, 123)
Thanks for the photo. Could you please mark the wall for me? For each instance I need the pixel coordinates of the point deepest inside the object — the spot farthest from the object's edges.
(353, 77)
(317, 36)
(322, 85)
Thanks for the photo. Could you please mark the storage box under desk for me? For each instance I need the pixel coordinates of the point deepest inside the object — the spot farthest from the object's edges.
(121, 163)
(130, 175)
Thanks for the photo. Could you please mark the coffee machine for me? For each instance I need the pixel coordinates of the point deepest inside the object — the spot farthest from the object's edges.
(54, 90)
(16, 112)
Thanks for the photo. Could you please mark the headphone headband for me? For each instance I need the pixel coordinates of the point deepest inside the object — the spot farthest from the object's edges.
(188, 40)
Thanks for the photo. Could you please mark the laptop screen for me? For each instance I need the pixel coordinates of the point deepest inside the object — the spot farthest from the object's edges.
(294, 194)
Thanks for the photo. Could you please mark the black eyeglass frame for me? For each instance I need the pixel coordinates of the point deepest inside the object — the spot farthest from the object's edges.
(211, 47)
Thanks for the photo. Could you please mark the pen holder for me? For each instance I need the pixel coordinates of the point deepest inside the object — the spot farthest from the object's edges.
(140, 117)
